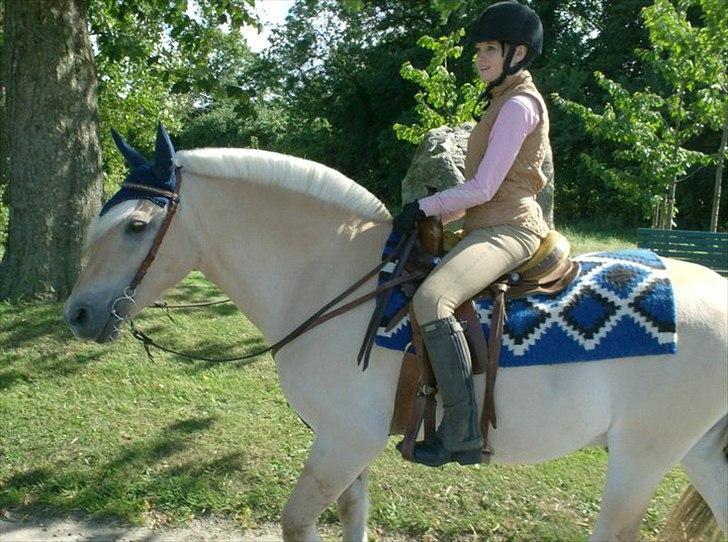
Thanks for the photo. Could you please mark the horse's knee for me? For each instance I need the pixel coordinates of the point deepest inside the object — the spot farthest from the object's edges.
(354, 500)
(296, 530)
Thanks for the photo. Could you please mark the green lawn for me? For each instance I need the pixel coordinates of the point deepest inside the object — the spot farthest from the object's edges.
(102, 430)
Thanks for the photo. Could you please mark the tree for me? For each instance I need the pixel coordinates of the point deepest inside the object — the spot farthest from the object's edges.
(55, 161)
(53, 111)
(654, 126)
(440, 102)
(156, 57)
(340, 87)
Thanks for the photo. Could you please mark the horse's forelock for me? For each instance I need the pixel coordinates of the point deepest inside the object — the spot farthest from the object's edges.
(100, 225)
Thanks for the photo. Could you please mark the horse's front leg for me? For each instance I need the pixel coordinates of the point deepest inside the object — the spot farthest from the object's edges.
(333, 468)
(354, 508)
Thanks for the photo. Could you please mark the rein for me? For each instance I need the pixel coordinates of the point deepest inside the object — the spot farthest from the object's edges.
(319, 317)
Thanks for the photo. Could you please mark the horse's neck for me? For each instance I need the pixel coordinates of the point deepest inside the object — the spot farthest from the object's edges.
(280, 256)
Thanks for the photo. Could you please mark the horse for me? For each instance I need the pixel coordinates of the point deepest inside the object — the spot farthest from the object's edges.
(282, 235)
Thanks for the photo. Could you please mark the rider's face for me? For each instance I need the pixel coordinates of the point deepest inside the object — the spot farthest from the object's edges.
(489, 60)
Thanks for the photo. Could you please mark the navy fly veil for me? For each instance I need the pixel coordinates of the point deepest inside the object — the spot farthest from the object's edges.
(158, 173)
(621, 304)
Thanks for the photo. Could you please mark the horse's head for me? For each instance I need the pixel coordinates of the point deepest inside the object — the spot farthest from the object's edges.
(118, 242)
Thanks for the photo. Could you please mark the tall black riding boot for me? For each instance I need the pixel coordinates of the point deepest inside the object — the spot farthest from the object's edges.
(458, 438)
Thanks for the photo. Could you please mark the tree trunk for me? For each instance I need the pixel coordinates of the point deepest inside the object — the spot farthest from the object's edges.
(54, 153)
(719, 176)
(673, 182)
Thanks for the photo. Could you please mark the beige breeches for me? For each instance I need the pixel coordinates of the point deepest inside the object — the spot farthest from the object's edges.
(477, 261)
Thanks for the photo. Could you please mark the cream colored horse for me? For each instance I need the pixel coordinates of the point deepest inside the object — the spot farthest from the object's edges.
(282, 236)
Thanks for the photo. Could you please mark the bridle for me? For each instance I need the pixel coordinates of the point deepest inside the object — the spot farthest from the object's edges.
(381, 293)
(130, 291)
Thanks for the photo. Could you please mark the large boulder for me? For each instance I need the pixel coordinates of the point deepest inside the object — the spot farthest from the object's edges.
(439, 163)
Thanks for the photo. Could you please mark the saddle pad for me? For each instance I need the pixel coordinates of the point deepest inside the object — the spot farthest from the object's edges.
(621, 304)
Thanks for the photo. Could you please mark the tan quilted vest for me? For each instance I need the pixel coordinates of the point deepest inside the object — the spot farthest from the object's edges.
(515, 202)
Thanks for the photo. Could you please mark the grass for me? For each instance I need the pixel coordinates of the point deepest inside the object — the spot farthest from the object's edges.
(103, 430)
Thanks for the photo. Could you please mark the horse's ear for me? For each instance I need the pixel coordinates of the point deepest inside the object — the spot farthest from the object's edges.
(133, 158)
(163, 154)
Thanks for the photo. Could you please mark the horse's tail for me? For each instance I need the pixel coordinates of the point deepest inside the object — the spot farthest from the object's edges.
(691, 517)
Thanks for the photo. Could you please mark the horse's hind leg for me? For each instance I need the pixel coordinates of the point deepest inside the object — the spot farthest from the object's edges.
(706, 464)
(354, 508)
(332, 467)
(633, 473)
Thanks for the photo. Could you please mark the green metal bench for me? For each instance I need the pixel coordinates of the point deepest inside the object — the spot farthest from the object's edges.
(705, 248)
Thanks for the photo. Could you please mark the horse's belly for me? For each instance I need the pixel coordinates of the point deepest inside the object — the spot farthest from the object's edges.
(544, 412)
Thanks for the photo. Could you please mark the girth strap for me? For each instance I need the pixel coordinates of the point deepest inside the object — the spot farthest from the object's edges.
(495, 337)
(424, 406)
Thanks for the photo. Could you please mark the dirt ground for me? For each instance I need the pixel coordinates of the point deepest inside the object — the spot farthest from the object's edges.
(45, 525)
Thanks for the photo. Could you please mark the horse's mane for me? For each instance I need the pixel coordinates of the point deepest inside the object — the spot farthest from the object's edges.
(288, 172)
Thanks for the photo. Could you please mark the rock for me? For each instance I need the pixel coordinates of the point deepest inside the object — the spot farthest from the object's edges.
(545, 198)
(439, 163)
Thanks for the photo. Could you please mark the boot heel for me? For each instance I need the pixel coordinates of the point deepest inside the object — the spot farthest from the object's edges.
(468, 457)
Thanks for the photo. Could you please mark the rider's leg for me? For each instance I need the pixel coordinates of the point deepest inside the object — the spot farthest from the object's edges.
(478, 260)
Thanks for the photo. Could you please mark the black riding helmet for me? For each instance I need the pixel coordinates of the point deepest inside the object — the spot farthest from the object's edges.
(513, 23)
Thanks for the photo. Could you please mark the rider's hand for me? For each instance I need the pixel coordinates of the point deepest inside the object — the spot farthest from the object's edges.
(407, 218)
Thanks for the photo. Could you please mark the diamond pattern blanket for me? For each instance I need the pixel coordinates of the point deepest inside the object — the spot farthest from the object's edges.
(620, 305)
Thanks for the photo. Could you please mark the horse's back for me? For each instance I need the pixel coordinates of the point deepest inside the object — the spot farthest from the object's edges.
(548, 410)
(701, 298)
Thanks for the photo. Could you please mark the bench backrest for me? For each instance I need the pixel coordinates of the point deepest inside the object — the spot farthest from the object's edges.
(705, 248)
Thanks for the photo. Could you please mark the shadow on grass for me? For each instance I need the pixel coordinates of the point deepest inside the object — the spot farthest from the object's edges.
(27, 322)
(146, 474)
(51, 367)
(194, 289)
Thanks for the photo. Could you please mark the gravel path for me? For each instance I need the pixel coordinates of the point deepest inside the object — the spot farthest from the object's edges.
(44, 526)
(47, 525)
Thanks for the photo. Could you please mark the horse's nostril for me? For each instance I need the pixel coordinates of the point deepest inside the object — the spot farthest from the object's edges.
(80, 317)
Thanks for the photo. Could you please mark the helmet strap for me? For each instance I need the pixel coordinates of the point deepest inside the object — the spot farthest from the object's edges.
(507, 69)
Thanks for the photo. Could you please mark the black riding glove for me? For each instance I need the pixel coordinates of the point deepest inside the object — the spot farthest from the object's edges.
(407, 218)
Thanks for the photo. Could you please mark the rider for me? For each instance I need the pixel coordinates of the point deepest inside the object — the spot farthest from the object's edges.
(504, 224)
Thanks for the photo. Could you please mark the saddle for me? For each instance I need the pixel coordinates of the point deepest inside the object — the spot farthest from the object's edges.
(548, 272)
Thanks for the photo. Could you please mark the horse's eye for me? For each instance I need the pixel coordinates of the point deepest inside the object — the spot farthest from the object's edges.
(136, 226)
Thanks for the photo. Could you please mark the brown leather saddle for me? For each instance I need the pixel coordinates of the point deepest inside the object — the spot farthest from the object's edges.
(549, 271)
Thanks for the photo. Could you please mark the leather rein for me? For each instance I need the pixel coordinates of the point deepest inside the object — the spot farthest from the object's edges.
(319, 317)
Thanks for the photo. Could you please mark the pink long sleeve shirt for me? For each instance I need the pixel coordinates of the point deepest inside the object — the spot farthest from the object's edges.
(518, 117)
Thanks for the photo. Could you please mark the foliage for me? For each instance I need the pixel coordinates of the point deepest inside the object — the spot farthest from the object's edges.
(338, 83)
(155, 58)
(440, 101)
(653, 127)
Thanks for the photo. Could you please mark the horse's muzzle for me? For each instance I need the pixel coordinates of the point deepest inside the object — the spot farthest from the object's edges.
(90, 319)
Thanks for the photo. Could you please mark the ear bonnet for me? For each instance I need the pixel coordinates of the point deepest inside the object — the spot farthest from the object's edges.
(157, 174)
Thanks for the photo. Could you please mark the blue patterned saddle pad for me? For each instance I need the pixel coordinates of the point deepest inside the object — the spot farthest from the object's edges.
(620, 305)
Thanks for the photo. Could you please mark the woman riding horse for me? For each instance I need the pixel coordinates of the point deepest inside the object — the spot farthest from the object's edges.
(503, 222)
